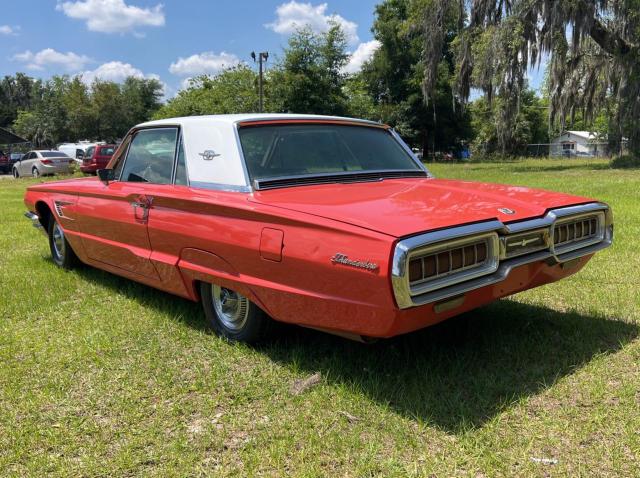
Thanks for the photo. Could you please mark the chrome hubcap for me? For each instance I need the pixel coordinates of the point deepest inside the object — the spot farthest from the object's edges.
(58, 241)
(231, 307)
(36, 173)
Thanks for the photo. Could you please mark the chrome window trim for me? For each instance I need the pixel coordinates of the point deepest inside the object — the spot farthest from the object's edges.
(406, 298)
(134, 132)
(245, 170)
(234, 188)
(407, 149)
(371, 124)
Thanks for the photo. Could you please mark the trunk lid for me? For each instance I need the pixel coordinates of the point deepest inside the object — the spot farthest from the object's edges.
(402, 207)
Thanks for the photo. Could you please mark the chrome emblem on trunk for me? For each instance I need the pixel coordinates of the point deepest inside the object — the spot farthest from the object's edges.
(506, 210)
(340, 258)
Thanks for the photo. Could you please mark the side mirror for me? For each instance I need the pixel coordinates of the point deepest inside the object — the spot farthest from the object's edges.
(106, 175)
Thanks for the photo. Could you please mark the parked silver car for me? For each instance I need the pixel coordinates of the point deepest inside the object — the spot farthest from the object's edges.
(39, 163)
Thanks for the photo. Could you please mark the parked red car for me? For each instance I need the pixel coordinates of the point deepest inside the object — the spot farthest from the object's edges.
(5, 163)
(326, 222)
(97, 157)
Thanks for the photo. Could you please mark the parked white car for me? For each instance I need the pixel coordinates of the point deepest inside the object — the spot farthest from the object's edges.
(40, 163)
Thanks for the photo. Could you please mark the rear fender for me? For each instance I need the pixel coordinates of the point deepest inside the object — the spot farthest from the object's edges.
(196, 265)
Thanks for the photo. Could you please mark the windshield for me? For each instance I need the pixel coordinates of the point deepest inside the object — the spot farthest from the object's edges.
(272, 151)
(53, 154)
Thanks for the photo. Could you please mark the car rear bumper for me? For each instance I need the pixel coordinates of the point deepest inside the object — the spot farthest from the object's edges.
(53, 169)
(89, 168)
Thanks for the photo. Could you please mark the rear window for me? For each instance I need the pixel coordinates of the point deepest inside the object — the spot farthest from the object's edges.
(302, 149)
(106, 151)
(53, 154)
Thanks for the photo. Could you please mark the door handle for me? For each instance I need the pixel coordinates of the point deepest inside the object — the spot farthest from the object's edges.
(144, 203)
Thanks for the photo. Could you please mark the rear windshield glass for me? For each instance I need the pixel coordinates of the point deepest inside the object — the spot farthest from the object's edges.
(106, 151)
(53, 154)
(301, 149)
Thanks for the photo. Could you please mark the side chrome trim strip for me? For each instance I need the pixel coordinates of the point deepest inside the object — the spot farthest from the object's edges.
(403, 249)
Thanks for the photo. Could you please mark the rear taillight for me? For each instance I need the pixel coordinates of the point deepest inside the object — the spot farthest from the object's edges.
(46, 161)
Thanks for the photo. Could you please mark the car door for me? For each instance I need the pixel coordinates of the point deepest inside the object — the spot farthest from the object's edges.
(25, 163)
(114, 217)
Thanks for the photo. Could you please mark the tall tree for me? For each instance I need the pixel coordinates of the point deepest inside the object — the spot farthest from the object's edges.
(396, 78)
(19, 92)
(232, 91)
(81, 117)
(310, 77)
(142, 99)
(592, 46)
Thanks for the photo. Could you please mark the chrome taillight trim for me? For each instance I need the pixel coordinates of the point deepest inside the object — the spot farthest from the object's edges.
(452, 277)
(591, 239)
(405, 249)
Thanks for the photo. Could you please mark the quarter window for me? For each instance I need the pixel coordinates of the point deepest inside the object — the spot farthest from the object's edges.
(150, 157)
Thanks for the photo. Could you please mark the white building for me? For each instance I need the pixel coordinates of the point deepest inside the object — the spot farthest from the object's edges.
(578, 143)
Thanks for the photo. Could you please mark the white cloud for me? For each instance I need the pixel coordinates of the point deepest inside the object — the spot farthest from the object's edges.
(206, 63)
(362, 54)
(118, 71)
(294, 15)
(50, 58)
(113, 16)
(115, 71)
(9, 30)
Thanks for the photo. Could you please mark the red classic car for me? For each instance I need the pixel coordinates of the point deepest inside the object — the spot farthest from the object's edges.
(326, 222)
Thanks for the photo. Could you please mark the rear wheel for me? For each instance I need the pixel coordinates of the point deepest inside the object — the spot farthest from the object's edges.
(35, 173)
(232, 315)
(61, 251)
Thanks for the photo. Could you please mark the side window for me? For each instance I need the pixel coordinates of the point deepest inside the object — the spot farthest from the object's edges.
(181, 168)
(150, 157)
(89, 153)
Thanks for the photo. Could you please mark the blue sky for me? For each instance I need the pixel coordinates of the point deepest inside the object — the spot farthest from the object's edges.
(168, 39)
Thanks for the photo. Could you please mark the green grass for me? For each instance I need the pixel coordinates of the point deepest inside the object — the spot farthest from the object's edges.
(100, 376)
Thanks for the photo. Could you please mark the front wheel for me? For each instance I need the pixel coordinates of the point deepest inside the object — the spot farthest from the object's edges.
(232, 315)
(61, 252)
(15, 173)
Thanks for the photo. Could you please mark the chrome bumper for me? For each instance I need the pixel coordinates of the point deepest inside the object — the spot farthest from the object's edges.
(35, 221)
(399, 271)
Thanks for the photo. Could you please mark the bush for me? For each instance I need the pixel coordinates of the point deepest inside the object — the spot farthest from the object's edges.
(625, 161)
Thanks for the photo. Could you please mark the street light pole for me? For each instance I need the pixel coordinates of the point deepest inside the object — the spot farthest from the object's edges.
(262, 56)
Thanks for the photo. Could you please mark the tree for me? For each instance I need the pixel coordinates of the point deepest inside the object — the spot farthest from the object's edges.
(395, 78)
(142, 99)
(231, 91)
(81, 117)
(18, 92)
(34, 127)
(529, 127)
(593, 51)
(310, 77)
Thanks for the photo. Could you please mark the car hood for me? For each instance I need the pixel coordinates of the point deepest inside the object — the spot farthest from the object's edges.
(401, 207)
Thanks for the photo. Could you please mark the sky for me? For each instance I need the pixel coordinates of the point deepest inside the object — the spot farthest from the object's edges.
(171, 40)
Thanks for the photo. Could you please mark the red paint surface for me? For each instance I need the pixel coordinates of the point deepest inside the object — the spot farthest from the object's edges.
(204, 235)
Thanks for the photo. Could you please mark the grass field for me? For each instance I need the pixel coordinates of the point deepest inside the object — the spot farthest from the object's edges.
(100, 376)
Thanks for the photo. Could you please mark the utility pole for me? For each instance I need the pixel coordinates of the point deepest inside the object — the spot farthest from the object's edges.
(262, 56)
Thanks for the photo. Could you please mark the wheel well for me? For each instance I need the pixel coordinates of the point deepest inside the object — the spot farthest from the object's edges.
(44, 213)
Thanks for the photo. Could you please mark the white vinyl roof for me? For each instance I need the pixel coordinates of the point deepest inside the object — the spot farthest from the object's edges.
(218, 133)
